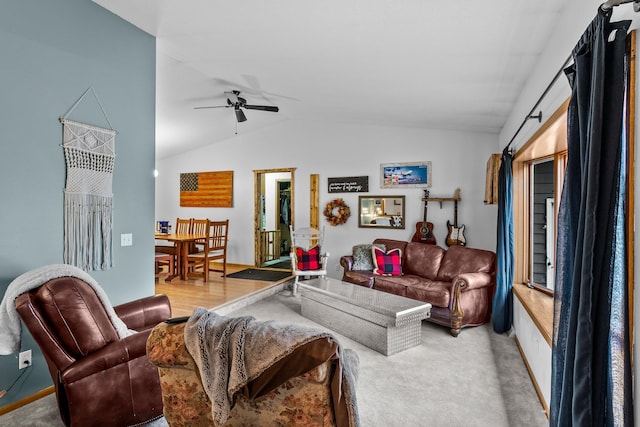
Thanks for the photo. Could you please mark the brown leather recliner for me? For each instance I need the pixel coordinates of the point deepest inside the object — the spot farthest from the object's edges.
(100, 379)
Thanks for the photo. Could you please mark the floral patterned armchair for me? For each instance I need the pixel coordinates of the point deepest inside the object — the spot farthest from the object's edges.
(304, 400)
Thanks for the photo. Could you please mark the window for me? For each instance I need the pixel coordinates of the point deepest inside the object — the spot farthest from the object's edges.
(542, 224)
(538, 170)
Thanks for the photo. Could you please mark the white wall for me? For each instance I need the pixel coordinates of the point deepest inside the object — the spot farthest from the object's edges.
(337, 150)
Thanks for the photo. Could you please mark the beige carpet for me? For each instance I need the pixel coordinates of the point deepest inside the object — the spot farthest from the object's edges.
(477, 379)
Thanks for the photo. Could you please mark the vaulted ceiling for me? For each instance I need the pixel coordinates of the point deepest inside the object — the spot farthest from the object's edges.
(412, 63)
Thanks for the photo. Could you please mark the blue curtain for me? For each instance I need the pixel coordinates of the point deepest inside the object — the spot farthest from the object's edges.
(591, 369)
(503, 298)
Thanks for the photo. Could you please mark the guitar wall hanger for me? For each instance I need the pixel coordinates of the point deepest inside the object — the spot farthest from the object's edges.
(455, 233)
(455, 198)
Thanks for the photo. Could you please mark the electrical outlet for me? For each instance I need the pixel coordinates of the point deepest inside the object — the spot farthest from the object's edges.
(126, 239)
(24, 359)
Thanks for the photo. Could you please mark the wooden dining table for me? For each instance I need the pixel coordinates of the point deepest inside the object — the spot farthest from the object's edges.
(181, 242)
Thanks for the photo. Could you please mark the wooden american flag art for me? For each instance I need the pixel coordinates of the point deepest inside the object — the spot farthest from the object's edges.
(206, 189)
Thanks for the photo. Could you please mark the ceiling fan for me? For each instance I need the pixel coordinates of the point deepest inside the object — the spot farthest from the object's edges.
(237, 102)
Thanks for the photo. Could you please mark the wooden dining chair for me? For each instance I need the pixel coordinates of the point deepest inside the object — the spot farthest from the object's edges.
(163, 259)
(200, 226)
(215, 249)
(183, 226)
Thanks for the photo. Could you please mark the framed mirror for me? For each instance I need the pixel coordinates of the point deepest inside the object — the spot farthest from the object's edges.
(381, 212)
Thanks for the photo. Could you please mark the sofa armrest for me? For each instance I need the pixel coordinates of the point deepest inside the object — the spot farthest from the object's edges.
(461, 284)
(469, 281)
(145, 312)
(346, 262)
(166, 348)
(108, 357)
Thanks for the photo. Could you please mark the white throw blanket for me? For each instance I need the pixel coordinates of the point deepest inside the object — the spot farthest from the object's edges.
(232, 351)
(10, 327)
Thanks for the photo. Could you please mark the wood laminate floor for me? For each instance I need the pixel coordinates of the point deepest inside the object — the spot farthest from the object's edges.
(185, 295)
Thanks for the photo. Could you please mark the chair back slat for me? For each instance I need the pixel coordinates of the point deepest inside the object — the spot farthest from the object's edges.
(306, 238)
(183, 225)
(200, 227)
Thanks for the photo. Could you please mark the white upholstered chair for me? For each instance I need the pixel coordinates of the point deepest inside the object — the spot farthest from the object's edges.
(307, 256)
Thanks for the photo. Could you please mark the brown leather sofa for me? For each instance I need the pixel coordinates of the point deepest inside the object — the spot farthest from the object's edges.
(100, 379)
(459, 283)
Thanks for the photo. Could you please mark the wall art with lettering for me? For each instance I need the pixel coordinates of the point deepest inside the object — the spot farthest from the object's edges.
(349, 184)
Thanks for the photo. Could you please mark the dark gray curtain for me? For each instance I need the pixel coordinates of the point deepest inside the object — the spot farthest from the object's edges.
(591, 370)
(503, 299)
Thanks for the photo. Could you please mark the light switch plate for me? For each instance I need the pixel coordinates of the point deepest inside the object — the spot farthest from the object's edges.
(126, 239)
(24, 359)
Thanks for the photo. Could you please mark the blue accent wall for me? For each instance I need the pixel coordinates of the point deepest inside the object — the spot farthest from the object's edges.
(50, 53)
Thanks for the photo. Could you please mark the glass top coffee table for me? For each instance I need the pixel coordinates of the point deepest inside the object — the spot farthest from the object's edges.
(384, 322)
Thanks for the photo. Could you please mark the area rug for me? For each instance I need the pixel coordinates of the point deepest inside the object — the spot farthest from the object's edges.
(258, 274)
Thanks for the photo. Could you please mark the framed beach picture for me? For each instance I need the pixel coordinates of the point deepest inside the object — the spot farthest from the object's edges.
(407, 175)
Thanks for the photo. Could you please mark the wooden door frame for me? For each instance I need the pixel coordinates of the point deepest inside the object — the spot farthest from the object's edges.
(258, 179)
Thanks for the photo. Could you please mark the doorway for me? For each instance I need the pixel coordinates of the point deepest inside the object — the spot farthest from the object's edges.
(283, 215)
(273, 214)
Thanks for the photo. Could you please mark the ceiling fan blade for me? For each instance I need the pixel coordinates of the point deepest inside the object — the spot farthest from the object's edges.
(262, 107)
(212, 106)
(253, 87)
(240, 115)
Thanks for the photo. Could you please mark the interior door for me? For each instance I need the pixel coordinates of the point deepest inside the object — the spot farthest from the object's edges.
(267, 237)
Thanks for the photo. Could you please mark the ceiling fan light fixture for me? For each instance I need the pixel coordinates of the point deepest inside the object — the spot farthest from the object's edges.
(240, 115)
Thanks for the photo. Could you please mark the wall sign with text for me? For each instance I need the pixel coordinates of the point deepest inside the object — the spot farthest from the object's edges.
(349, 184)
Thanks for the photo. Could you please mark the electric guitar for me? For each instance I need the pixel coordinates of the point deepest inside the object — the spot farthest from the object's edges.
(424, 229)
(456, 234)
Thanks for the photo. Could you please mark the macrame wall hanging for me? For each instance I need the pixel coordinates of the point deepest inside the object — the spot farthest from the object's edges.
(89, 153)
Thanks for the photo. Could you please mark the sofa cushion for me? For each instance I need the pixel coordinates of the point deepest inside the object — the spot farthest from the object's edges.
(422, 260)
(308, 260)
(76, 312)
(459, 259)
(391, 244)
(363, 258)
(387, 263)
(391, 284)
(435, 293)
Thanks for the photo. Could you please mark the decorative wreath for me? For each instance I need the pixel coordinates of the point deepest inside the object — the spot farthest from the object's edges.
(337, 212)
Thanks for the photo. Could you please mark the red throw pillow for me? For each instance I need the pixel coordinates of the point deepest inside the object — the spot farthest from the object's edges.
(308, 260)
(387, 263)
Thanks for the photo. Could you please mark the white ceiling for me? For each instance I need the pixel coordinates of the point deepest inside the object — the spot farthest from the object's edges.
(413, 63)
